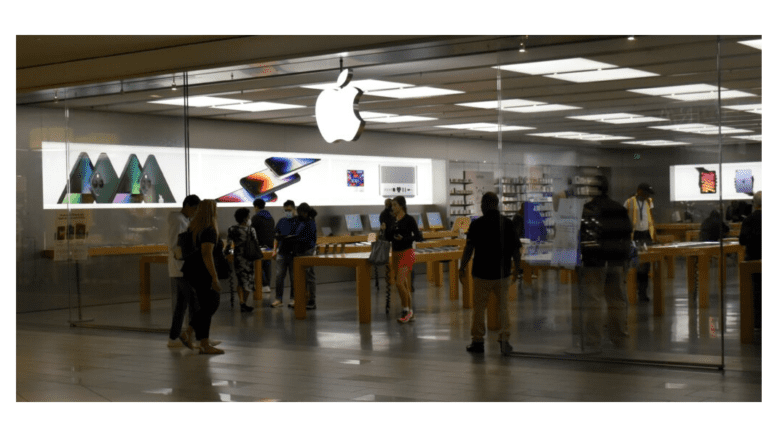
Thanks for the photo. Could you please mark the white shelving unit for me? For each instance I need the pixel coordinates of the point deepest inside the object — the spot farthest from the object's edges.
(459, 203)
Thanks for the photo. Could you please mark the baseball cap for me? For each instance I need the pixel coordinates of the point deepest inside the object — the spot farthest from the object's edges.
(644, 186)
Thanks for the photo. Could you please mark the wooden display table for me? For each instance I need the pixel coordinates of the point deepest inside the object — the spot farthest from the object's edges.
(116, 250)
(145, 278)
(359, 262)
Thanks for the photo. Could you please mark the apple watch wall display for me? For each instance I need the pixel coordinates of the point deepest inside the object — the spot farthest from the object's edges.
(104, 180)
(80, 182)
(744, 181)
(353, 222)
(708, 181)
(153, 185)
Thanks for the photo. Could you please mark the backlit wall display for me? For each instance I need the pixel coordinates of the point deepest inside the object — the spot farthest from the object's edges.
(700, 182)
(124, 176)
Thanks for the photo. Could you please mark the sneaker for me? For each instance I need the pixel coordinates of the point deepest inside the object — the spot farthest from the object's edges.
(505, 347)
(214, 342)
(406, 317)
(476, 347)
(266, 289)
(173, 343)
(311, 306)
(276, 304)
(185, 340)
(291, 303)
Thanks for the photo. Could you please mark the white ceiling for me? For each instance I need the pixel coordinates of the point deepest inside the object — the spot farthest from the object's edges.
(466, 64)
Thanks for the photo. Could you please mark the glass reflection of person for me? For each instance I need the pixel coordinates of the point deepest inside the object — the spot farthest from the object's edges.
(640, 210)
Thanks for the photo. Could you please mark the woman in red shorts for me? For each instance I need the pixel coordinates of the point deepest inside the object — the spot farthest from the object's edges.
(402, 235)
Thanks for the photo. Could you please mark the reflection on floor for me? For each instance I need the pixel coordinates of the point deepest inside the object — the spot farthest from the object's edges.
(270, 356)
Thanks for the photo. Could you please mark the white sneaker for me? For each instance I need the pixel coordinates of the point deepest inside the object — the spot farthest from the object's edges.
(276, 304)
(266, 289)
(291, 303)
(214, 342)
(173, 343)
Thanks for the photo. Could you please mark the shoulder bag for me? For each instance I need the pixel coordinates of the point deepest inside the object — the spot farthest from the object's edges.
(251, 249)
(379, 252)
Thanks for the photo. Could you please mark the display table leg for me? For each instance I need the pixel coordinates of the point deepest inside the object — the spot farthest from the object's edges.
(453, 280)
(363, 293)
(300, 291)
(690, 273)
(669, 267)
(704, 280)
(658, 290)
(258, 280)
(631, 285)
(145, 286)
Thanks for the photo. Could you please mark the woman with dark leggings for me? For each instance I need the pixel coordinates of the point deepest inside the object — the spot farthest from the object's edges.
(200, 271)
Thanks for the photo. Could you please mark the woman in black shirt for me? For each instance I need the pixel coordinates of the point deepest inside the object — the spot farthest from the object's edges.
(402, 235)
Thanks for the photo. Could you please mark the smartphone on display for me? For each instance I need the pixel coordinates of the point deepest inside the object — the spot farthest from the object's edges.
(708, 181)
(80, 182)
(104, 180)
(242, 195)
(153, 185)
(284, 166)
(744, 180)
(128, 190)
(264, 182)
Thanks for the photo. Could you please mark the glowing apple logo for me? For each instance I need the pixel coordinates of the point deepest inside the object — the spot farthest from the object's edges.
(336, 113)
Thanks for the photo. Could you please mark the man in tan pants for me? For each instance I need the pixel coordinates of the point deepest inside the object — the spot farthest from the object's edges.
(495, 244)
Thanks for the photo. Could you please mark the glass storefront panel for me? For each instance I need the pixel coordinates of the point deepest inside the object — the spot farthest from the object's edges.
(541, 128)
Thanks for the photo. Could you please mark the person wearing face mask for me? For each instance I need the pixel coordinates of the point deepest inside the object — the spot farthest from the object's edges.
(283, 253)
(304, 240)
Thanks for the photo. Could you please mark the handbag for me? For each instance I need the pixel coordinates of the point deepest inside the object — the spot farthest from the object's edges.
(251, 249)
(220, 260)
(379, 252)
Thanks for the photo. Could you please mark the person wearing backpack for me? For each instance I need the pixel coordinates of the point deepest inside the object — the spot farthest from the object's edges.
(237, 238)
(605, 246)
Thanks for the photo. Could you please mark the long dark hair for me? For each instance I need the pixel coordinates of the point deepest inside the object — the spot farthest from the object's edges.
(307, 210)
(401, 202)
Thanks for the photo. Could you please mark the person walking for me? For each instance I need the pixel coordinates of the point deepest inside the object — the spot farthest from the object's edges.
(493, 240)
(237, 236)
(605, 245)
(402, 235)
(199, 270)
(264, 225)
(304, 240)
(640, 210)
(283, 253)
(182, 294)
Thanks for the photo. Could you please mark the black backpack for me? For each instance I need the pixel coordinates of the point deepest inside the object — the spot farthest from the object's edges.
(605, 231)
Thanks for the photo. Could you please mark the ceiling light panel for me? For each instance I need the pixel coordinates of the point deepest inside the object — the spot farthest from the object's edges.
(557, 66)
(509, 103)
(617, 118)
(601, 75)
(259, 106)
(700, 128)
(754, 43)
(749, 137)
(415, 92)
(540, 108)
(581, 136)
(755, 108)
(484, 127)
(657, 143)
(679, 89)
(364, 85)
(199, 101)
(710, 95)
(399, 119)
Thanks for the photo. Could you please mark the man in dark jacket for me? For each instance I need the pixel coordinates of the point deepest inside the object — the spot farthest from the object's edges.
(605, 243)
(496, 245)
(264, 225)
(712, 226)
(750, 237)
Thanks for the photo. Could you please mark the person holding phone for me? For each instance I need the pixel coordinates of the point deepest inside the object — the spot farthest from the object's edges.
(402, 235)
(304, 240)
(199, 270)
(283, 254)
